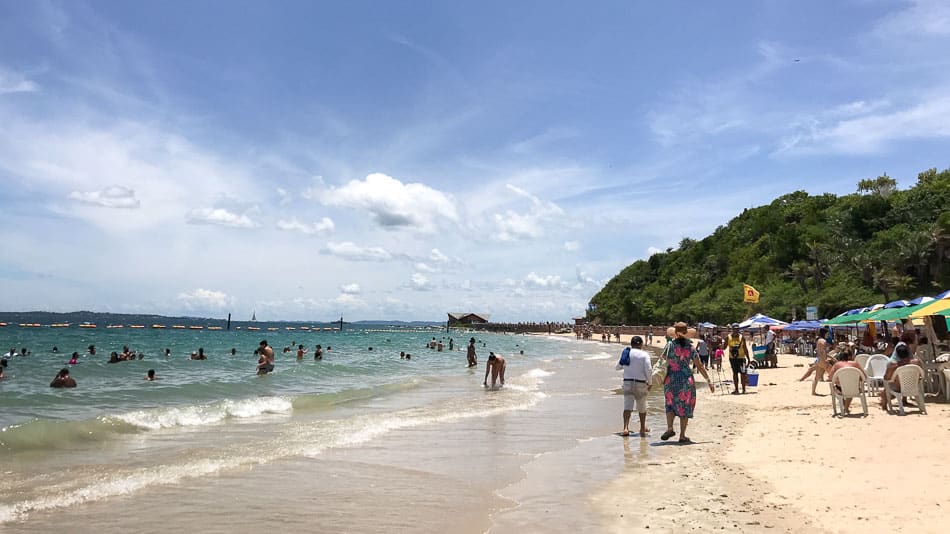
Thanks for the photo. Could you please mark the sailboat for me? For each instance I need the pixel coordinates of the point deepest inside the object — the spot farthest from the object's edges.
(254, 315)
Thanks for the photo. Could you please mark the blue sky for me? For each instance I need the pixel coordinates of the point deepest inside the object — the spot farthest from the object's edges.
(403, 159)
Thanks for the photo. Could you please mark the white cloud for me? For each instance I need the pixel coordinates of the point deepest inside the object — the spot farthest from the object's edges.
(653, 250)
(115, 196)
(425, 267)
(285, 197)
(571, 246)
(521, 226)
(203, 299)
(350, 289)
(351, 251)
(420, 282)
(348, 299)
(437, 255)
(393, 204)
(12, 82)
(922, 17)
(925, 119)
(585, 279)
(544, 282)
(325, 226)
(221, 217)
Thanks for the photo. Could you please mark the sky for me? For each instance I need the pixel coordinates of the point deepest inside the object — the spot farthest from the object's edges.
(404, 159)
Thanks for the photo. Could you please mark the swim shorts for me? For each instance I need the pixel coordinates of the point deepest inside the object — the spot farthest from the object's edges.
(738, 365)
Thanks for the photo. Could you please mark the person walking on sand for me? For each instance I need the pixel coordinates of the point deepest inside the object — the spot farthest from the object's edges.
(637, 381)
(738, 359)
(496, 364)
(679, 387)
(470, 355)
(821, 363)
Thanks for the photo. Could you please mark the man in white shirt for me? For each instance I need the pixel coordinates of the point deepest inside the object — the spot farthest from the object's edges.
(772, 358)
(637, 376)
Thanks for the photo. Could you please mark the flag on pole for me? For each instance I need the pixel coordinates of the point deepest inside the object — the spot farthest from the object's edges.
(749, 294)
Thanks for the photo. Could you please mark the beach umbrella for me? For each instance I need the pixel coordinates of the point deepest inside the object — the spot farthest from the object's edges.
(758, 321)
(922, 300)
(932, 308)
(892, 314)
(898, 304)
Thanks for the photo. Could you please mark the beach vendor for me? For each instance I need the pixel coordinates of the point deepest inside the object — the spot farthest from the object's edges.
(738, 359)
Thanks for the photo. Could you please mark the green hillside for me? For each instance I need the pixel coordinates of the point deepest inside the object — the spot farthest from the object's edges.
(836, 252)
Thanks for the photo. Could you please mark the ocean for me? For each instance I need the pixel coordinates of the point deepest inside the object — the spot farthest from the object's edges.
(117, 437)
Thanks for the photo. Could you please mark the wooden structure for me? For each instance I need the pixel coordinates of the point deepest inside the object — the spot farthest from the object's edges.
(467, 318)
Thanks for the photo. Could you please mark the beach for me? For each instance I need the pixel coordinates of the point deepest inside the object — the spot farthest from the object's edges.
(541, 454)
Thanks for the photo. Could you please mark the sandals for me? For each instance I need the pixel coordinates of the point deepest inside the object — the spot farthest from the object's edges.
(685, 441)
(667, 435)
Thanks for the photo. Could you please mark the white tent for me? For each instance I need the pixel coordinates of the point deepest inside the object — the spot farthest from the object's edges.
(758, 321)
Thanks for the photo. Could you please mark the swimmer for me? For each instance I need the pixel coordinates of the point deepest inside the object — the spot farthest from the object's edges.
(408, 356)
(402, 355)
(92, 350)
(63, 380)
(318, 353)
(168, 352)
(55, 349)
(114, 357)
(496, 364)
(451, 345)
(150, 375)
(75, 359)
(233, 351)
(300, 352)
(266, 362)
(470, 355)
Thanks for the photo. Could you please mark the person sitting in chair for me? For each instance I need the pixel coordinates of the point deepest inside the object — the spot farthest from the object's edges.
(845, 358)
(902, 356)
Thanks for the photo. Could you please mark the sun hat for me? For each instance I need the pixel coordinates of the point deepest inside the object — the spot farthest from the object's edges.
(680, 329)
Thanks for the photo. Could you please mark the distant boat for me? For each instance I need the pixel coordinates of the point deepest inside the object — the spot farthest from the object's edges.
(254, 315)
(159, 326)
(2, 325)
(136, 326)
(305, 328)
(215, 328)
(195, 327)
(87, 325)
(253, 328)
(289, 328)
(178, 327)
(272, 329)
(115, 326)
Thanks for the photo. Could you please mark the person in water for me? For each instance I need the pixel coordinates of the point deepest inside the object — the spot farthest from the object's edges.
(63, 380)
(150, 375)
(496, 364)
(74, 359)
(300, 352)
(470, 354)
(266, 362)
(318, 353)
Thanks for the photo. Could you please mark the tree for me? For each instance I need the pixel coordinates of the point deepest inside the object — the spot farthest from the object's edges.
(882, 186)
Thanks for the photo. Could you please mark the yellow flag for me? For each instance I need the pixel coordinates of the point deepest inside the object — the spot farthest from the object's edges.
(749, 294)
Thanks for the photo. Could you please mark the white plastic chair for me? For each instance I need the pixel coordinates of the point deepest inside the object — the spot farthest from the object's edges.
(875, 369)
(946, 384)
(851, 382)
(911, 379)
(862, 360)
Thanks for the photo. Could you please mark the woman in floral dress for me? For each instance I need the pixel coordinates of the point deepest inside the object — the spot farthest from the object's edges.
(679, 387)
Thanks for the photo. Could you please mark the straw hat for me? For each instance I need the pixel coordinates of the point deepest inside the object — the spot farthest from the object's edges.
(671, 332)
(680, 329)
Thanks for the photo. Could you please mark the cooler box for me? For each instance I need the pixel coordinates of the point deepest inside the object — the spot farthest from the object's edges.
(753, 378)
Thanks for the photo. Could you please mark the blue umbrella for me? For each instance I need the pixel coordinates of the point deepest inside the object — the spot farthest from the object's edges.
(943, 295)
(898, 304)
(920, 300)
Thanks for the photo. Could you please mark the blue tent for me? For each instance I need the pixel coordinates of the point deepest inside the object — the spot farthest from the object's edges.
(803, 325)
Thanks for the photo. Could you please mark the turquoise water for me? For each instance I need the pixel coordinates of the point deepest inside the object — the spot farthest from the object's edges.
(117, 434)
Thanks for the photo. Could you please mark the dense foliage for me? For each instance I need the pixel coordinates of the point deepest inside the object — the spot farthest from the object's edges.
(876, 245)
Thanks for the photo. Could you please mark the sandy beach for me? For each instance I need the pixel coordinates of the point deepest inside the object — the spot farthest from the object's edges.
(776, 459)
